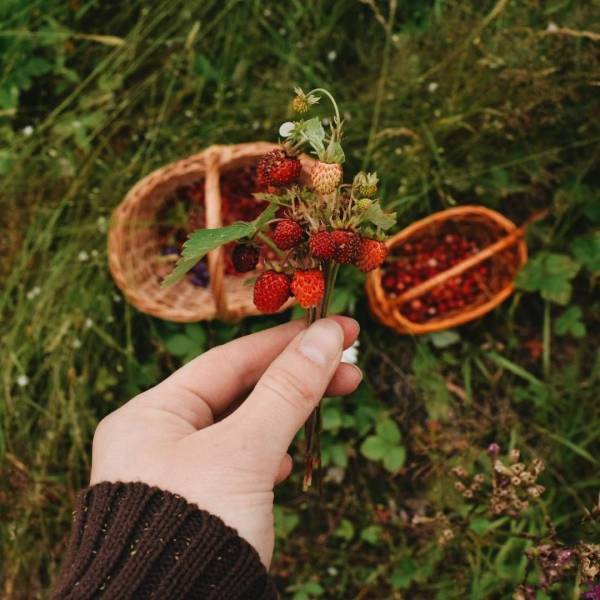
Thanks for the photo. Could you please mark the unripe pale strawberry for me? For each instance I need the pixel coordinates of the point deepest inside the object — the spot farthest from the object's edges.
(326, 177)
(308, 287)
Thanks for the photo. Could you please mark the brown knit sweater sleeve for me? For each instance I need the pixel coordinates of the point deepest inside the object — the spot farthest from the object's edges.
(130, 540)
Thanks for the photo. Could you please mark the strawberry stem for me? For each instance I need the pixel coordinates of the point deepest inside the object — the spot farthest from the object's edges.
(312, 427)
(337, 131)
(265, 239)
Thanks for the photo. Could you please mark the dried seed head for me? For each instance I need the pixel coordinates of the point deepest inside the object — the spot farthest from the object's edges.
(446, 536)
(479, 478)
(467, 494)
(518, 468)
(459, 472)
(516, 481)
(514, 455)
(460, 486)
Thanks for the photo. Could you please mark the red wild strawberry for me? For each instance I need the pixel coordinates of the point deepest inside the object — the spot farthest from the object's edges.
(308, 287)
(325, 177)
(277, 168)
(271, 290)
(288, 233)
(321, 245)
(347, 244)
(371, 254)
(245, 257)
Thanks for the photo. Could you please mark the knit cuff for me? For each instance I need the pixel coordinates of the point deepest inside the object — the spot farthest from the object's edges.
(130, 540)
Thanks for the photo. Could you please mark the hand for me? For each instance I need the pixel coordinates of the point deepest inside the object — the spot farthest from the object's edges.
(196, 436)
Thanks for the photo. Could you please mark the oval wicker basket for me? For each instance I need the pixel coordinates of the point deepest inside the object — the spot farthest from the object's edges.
(134, 250)
(503, 247)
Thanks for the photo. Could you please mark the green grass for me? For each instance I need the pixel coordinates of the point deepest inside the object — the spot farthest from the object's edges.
(452, 102)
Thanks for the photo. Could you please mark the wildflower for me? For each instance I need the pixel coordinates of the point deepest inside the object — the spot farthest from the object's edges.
(22, 380)
(350, 355)
(552, 27)
(286, 129)
(331, 55)
(33, 292)
(432, 87)
(76, 344)
(27, 130)
(88, 323)
(101, 224)
(83, 256)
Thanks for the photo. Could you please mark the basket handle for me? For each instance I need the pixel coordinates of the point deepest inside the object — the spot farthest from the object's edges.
(212, 194)
(468, 263)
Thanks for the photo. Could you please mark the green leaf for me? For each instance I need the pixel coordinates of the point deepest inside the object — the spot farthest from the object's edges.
(265, 216)
(480, 525)
(550, 275)
(312, 130)
(586, 250)
(332, 418)
(443, 339)
(201, 242)
(373, 448)
(394, 459)
(371, 534)
(334, 153)
(179, 344)
(286, 520)
(388, 431)
(570, 322)
(339, 456)
(345, 530)
(404, 574)
(375, 214)
(197, 334)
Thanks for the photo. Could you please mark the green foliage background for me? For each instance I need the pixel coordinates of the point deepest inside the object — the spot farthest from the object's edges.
(452, 102)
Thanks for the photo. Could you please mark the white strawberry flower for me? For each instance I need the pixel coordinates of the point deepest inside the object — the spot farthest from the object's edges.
(286, 129)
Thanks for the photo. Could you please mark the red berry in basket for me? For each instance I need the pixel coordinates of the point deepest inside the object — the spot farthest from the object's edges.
(308, 287)
(277, 168)
(245, 257)
(321, 245)
(371, 254)
(287, 234)
(347, 244)
(271, 290)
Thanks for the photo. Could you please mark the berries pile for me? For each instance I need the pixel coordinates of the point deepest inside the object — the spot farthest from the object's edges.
(421, 260)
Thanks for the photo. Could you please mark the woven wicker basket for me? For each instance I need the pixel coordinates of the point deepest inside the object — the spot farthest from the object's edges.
(503, 247)
(134, 243)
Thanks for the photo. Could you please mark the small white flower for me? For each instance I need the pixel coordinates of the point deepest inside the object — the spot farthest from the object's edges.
(83, 256)
(267, 12)
(255, 124)
(52, 152)
(331, 55)
(286, 129)
(22, 380)
(76, 343)
(437, 113)
(432, 86)
(88, 323)
(27, 130)
(101, 224)
(282, 31)
(76, 124)
(94, 253)
(552, 27)
(350, 355)
(332, 571)
(189, 114)
(33, 292)
(110, 319)
(116, 298)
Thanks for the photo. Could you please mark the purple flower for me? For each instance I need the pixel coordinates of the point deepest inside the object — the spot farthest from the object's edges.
(493, 450)
(592, 594)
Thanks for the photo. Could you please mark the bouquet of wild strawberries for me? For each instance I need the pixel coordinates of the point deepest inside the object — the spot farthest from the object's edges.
(309, 230)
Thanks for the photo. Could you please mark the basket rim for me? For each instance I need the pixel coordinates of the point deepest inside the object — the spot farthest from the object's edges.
(392, 316)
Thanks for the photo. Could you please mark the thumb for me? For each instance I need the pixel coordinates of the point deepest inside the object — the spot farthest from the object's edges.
(291, 388)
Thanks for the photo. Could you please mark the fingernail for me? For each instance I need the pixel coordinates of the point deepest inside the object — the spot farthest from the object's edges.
(357, 369)
(322, 342)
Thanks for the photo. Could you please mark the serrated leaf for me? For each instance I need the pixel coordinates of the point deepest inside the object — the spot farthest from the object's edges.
(373, 448)
(345, 530)
(570, 322)
(375, 214)
(201, 242)
(586, 250)
(179, 344)
(550, 275)
(388, 431)
(371, 534)
(394, 459)
(312, 130)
